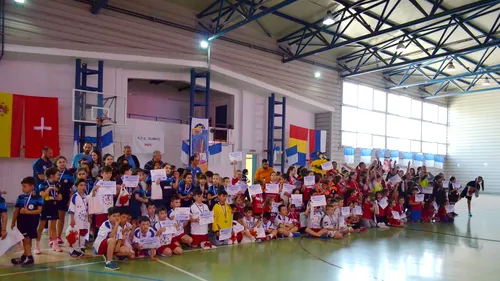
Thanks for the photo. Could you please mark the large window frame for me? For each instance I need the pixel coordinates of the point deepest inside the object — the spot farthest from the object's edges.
(402, 113)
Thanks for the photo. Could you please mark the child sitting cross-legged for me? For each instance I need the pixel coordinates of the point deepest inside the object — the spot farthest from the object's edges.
(250, 223)
(314, 216)
(330, 223)
(285, 225)
(269, 227)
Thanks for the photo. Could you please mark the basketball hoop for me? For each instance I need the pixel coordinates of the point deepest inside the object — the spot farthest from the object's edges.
(102, 120)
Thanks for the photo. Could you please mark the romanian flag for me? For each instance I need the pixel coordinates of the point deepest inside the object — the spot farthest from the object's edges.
(11, 116)
(298, 137)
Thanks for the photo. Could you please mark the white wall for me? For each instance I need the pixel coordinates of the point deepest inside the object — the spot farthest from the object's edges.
(474, 139)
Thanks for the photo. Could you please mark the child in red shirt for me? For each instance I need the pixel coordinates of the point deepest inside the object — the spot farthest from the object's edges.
(416, 207)
(443, 215)
(293, 215)
(428, 211)
(369, 209)
(390, 216)
(274, 180)
(258, 200)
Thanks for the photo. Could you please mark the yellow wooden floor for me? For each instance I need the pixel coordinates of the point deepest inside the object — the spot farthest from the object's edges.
(468, 250)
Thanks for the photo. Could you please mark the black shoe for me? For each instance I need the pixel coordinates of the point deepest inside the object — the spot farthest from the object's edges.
(16, 261)
(75, 254)
(28, 262)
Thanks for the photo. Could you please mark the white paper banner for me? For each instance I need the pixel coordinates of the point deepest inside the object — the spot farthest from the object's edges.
(146, 143)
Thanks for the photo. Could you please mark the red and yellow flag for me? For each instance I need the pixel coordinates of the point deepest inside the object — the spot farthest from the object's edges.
(11, 119)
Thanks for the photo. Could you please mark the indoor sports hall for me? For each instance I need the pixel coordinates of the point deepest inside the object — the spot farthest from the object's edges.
(249, 139)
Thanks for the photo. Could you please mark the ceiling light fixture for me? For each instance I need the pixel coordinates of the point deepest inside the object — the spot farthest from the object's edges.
(328, 20)
(204, 44)
(401, 47)
(317, 74)
(451, 66)
(486, 82)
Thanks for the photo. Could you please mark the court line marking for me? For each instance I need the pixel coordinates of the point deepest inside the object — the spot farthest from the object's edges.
(50, 268)
(114, 274)
(182, 270)
(450, 234)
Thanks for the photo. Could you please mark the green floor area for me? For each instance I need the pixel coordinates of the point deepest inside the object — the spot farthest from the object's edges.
(469, 249)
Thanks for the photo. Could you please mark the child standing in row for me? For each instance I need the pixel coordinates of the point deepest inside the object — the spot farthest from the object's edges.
(26, 214)
(79, 218)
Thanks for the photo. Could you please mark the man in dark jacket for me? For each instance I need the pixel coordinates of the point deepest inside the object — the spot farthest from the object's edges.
(131, 159)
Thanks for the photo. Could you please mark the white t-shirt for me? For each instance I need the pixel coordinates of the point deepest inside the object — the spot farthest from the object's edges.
(103, 233)
(250, 222)
(268, 226)
(279, 220)
(125, 237)
(329, 221)
(138, 234)
(165, 238)
(196, 210)
(314, 219)
(78, 206)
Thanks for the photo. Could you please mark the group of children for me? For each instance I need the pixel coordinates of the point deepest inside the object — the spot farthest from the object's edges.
(204, 210)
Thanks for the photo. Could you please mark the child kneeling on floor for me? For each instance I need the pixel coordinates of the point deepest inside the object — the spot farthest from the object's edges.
(145, 239)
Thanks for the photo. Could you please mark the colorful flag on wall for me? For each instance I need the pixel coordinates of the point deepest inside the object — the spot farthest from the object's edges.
(298, 137)
(349, 155)
(394, 156)
(199, 141)
(215, 154)
(439, 162)
(41, 123)
(407, 157)
(317, 141)
(366, 156)
(292, 155)
(106, 142)
(11, 120)
(185, 152)
(418, 160)
(429, 160)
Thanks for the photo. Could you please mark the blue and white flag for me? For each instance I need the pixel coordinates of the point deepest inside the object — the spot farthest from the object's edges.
(215, 154)
(106, 143)
(380, 155)
(429, 160)
(366, 156)
(292, 155)
(349, 155)
(418, 161)
(407, 157)
(394, 156)
(185, 152)
(439, 162)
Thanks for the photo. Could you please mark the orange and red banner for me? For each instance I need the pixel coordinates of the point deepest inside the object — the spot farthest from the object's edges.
(11, 120)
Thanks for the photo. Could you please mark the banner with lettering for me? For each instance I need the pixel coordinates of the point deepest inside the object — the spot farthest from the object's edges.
(146, 143)
(199, 141)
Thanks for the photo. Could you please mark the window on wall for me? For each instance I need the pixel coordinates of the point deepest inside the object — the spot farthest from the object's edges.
(375, 119)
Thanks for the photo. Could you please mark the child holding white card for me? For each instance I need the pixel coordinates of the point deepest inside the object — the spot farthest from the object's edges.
(416, 207)
(106, 173)
(443, 214)
(274, 180)
(269, 227)
(393, 220)
(199, 232)
(314, 216)
(382, 206)
(223, 219)
(144, 231)
(330, 223)
(285, 225)
(179, 236)
(369, 210)
(186, 189)
(167, 246)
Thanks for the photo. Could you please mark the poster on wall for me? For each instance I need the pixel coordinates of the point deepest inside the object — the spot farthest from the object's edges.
(146, 143)
(199, 141)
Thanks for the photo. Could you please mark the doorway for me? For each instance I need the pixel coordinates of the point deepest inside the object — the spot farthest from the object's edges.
(251, 165)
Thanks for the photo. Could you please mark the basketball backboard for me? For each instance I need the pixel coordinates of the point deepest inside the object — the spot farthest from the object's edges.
(89, 106)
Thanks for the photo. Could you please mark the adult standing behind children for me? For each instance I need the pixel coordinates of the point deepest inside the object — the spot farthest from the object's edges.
(41, 164)
(132, 160)
(264, 173)
(87, 149)
(193, 165)
(151, 163)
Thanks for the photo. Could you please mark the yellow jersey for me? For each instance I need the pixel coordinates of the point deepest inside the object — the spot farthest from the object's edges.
(223, 217)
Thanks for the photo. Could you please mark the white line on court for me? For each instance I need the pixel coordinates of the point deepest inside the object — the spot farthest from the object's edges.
(181, 270)
(46, 269)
